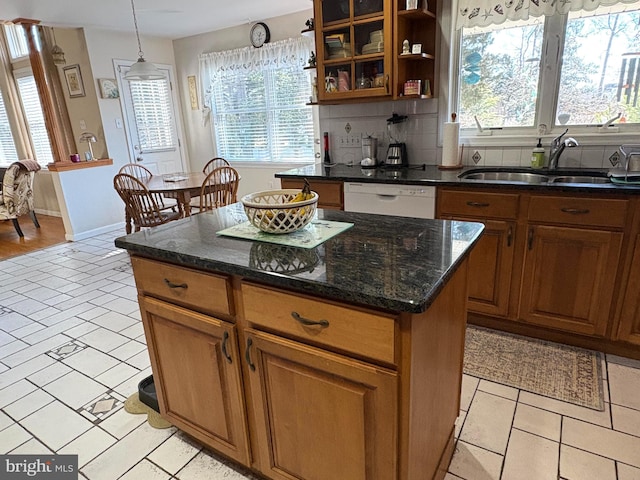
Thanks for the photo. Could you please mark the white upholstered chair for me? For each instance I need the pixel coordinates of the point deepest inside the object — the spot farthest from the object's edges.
(17, 193)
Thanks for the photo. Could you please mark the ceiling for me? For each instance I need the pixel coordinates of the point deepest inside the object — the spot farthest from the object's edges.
(163, 18)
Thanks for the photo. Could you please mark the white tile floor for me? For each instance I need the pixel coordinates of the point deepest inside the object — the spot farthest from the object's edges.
(70, 337)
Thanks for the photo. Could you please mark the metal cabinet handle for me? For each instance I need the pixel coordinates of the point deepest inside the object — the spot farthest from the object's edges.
(509, 236)
(247, 355)
(530, 239)
(225, 339)
(170, 284)
(478, 204)
(306, 321)
(386, 83)
(575, 211)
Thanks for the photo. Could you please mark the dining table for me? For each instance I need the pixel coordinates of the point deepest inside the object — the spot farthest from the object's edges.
(180, 186)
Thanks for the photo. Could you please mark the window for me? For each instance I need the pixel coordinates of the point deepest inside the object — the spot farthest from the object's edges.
(8, 153)
(151, 101)
(578, 69)
(35, 119)
(16, 41)
(31, 124)
(258, 102)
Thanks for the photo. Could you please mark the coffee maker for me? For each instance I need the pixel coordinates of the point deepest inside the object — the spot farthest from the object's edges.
(397, 151)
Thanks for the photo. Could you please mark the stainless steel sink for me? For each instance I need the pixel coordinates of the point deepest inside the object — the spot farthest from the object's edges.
(579, 179)
(546, 177)
(522, 177)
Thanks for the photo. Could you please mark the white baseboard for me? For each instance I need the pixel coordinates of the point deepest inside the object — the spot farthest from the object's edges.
(96, 231)
(50, 213)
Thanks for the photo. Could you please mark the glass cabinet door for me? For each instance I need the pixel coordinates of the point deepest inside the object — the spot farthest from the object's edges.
(354, 43)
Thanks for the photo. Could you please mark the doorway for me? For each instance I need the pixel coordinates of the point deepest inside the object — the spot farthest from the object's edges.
(153, 134)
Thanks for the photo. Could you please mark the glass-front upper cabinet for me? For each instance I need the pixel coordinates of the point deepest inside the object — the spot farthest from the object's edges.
(354, 43)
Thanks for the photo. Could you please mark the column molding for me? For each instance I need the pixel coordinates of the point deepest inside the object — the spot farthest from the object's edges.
(59, 148)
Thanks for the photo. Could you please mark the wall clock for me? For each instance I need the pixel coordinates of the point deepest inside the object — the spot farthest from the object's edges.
(259, 34)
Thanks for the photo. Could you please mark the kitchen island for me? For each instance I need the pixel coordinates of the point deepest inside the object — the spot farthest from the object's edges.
(342, 361)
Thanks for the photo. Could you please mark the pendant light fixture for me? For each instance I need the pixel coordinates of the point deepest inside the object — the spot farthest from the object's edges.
(142, 70)
(56, 52)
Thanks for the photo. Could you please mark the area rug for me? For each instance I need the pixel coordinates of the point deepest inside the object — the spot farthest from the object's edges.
(566, 373)
(135, 406)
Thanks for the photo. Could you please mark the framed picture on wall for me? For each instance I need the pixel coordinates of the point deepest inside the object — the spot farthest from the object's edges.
(193, 92)
(108, 88)
(74, 80)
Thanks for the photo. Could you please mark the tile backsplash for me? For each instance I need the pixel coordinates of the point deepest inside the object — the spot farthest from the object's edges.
(347, 124)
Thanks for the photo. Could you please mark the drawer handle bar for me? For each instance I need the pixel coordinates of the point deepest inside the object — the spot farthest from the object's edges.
(247, 355)
(306, 321)
(478, 204)
(170, 284)
(575, 211)
(225, 339)
(509, 236)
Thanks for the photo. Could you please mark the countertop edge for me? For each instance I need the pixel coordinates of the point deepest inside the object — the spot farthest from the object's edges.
(443, 178)
(301, 285)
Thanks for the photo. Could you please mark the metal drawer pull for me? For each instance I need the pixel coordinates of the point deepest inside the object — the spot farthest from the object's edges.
(170, 284)
(247, 355)
(575, 211)
(478, 204)
(509, 236)
(305, 321)
(225, 339)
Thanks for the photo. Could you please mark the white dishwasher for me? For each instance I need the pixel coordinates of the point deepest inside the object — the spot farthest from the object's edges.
(388, 199)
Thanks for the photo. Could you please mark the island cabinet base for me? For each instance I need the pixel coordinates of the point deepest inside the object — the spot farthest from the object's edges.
(298, 387)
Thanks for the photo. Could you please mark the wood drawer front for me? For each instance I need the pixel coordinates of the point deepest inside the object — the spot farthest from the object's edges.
(604, 212)
(191, 288)
(361, 332)
(478, 204)
(329, 193)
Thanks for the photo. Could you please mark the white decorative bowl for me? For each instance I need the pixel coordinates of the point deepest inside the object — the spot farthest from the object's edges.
(272, 212)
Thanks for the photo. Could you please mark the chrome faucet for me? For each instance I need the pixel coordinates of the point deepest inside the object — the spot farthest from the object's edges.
(557, 147)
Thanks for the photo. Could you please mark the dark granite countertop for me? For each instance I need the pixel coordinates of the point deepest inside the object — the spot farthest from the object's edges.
(431, 175)
(393, 263)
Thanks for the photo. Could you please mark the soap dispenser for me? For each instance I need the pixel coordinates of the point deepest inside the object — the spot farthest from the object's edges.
(537, 155)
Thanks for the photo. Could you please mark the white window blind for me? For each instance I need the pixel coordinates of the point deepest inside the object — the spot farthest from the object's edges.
(258, 100)
(151, 100)
(17, 41)
(8, 153)
(35, 119)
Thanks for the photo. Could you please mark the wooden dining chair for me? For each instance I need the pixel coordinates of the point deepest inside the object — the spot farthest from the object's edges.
(219, 188)
(144, 174)
(214, 163)
(140, 204)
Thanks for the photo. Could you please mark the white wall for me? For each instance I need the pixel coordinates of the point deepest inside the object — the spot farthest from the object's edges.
(91, 205)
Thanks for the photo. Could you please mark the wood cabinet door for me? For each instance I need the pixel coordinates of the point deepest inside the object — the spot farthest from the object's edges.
(629, 326)
(319, 415)
(354, 46)
(490, 264)
(197, 375)
(568, 278)
(330, 194)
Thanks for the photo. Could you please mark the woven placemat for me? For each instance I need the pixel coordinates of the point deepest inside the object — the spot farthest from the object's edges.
(135, 406)
(563, 372)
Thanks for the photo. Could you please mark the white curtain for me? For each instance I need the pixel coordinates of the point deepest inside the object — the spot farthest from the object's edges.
(276, 55)
(481, 13)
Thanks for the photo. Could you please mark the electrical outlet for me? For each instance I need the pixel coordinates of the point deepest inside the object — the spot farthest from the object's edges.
(83, 125)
